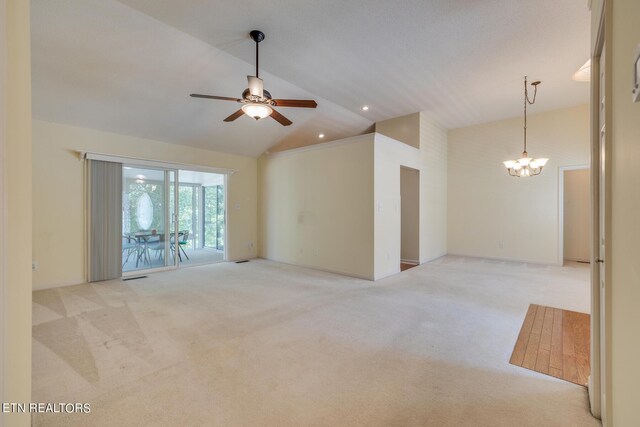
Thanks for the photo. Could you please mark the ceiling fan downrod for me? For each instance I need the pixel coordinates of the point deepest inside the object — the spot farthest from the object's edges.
(257, 36)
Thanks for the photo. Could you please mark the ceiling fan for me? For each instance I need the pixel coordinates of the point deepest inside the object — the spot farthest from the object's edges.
(256, 101)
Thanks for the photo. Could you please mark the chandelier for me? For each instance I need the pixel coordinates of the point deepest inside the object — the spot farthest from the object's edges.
(526, 166)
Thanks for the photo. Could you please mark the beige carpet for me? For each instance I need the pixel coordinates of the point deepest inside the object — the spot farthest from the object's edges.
(266, 344)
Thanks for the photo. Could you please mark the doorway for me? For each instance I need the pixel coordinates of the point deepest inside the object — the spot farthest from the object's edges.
(575, 205)
(201, 217)
(409, 217)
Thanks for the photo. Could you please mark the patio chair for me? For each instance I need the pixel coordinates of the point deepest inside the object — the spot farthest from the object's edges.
(129, 247)
(183, 240)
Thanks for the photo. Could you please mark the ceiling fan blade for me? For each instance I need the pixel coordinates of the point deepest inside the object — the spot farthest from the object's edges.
(221, 98)
(234, 116)
(280, 118)
(256, 86)
(300, 103)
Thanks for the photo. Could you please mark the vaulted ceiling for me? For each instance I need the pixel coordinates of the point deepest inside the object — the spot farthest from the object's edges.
(128, 66)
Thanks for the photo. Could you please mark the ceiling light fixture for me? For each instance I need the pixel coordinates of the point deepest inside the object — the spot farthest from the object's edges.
(321, 135)
(365, 108)
(584, 73)
(526, 166)
(257, 111)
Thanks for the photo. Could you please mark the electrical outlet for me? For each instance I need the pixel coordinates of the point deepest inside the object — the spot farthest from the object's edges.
(34, 265)
(501, 245)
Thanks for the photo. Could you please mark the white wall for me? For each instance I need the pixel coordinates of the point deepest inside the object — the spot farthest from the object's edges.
(494, 215)
(58, 188)
(431, 160)
(623, 32)
(316, 206)
(434, 182)
(390, 155)
(409, 214)
(577, 219)
(15, 145)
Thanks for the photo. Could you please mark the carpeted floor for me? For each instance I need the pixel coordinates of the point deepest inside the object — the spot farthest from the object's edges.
(267, 344)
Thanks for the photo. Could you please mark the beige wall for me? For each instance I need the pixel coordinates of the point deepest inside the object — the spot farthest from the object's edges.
(58, 188)
(577, 219)
(494, 215)
(16, 271)
(404, 129)
(364, 175)
(409, 214)
(317, 206)
(624, 35)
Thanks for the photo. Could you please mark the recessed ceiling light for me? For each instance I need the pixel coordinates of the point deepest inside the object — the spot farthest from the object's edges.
(321, 135)
(365, 108)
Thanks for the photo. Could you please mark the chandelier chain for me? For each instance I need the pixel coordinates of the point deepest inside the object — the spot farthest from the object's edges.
(528, 101)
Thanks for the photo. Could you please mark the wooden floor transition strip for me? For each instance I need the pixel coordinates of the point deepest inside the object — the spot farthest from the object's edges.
(554, 342)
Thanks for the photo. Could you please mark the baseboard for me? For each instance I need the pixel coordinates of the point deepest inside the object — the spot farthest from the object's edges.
(525, 261)
(326, 270)
(58, 285)
(410, 261)
(433, 258)
(578, 259)
(384, 276)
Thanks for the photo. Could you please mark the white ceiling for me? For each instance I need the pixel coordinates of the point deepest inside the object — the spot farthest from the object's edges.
(104, 65)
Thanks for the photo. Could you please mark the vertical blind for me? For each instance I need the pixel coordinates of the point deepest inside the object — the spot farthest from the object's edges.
(105, 220)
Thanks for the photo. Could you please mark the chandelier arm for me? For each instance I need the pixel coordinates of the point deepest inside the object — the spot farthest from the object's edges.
(535, 92)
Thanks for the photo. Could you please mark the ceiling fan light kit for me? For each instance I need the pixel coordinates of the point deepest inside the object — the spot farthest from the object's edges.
(257, 102)
(526, 166)
(257, 111)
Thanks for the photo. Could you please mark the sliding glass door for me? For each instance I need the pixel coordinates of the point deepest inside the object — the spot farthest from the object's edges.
(148, 218)
(213, 213)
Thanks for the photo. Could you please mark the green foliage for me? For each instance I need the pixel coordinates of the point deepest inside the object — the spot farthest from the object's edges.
(188, 209)
(132, 192)
(214, 217)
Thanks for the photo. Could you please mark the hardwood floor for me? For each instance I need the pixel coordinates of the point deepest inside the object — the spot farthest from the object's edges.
(405, 266)
(554, 342)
